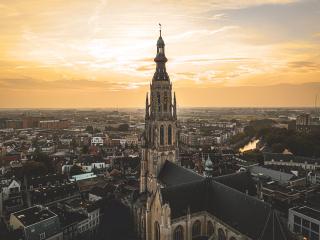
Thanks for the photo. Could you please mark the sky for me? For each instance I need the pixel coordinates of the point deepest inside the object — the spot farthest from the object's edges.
(99, 53)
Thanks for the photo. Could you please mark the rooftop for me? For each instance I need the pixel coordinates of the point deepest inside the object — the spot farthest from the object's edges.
(33, 215)
(223, 198)
(66, 217)
(310, 212)
(172, 174)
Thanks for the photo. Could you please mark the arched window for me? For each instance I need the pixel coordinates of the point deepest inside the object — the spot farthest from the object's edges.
(156, 231)
(169, 135)
(178, 233)
(221, 234)
(159, 101)
(161, 135)
(196, 229)
(210, 228)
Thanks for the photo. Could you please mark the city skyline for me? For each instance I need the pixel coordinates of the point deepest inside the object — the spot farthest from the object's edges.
(100, 54)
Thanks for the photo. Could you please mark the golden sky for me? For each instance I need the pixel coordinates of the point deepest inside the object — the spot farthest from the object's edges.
(97, 53)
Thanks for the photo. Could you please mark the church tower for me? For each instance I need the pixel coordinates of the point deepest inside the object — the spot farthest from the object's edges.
(160, 141)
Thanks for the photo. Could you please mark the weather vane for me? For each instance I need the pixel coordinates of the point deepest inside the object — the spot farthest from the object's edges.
(160, 28)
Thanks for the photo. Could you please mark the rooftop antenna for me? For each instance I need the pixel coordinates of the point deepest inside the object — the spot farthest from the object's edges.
(160, 28)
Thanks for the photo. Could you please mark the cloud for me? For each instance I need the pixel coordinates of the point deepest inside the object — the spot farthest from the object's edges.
(76, 84)
(305, 65)
(198, 33)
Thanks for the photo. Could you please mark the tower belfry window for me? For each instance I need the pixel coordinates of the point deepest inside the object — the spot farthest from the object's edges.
(165, 101)
(161, 135)
(169, 135)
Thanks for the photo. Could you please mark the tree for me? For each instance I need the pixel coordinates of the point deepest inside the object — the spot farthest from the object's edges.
(89, 129)
(123, 127)
(42, 157)
(249, 131)
(33, 168)
(277, 147)
(85, 149)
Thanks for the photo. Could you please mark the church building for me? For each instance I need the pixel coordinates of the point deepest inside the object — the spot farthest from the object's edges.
(176, 203)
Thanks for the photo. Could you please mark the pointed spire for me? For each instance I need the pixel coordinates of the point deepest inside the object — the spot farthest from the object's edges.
(174, 106)
(147, 99)
(147, 106)
(160, 28)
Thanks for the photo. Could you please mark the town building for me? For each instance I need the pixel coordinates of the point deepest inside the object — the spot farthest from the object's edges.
(37, 223)
(305, 123)
(11, 199)
(305, 221)
(50, 188)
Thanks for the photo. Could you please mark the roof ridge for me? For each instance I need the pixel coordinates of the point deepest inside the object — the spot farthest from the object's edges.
(265, 226)
(231, 174)
(182, 184)
(281, 227)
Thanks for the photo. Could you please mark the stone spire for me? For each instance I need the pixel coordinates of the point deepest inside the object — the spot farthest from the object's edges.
(160, 59)
(147, 107)
(174, 106)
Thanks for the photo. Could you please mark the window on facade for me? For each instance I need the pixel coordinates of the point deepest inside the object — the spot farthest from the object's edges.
(221, 234)
(297, 228)
(314, 236)
(42, 236)
(210, 229)
(297, 219)
(305, 223)
(314, 227)
(161, 135)
(156, 231)
(196, 229)
(178, 233)
(305, 232)
(169, 135)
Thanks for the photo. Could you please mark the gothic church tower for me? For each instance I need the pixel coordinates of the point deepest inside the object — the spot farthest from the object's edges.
(160, 136)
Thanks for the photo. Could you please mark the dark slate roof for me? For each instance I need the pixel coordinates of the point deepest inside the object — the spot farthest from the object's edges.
(172, 174)
(275, 175)
(234, 208)
(184, 198)
(241, 181)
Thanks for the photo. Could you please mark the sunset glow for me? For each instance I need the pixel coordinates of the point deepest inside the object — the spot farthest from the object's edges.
(79, 53)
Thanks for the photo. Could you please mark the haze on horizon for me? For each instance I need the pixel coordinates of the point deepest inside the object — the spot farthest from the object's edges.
(78, 53)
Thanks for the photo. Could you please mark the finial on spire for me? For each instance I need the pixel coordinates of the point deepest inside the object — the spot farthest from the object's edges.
(160, 28)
